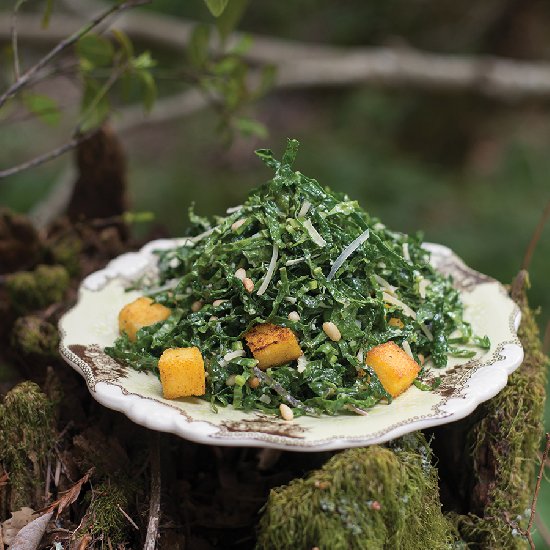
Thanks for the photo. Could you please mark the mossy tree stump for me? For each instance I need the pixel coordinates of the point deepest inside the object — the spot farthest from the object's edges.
(464, 484)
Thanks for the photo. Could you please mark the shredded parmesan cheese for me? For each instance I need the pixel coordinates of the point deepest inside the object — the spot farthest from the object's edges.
(389, 299)
(427, 332)
(233, 209)
(347, 252)
(302, 363)
(168, 286)
(406, 254)
(361, 355)
(295, 261)
(315, 237)
(270, 270)
(385, 285)
(422, 286)
(305, 209)
(233, 355)
(407, 349)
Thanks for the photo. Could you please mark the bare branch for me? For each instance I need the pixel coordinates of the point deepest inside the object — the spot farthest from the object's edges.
(539, 479)
(536, 237)
(154, 502)
(54, 153)
(64, 44)
(14, 49)
(309, 65)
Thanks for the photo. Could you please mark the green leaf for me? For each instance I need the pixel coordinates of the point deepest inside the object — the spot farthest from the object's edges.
(197, 50)
(150, 89)
(94, 51)
(125, 43)
(43, 106)
(143, 61)
(47, 13)
(226, 66)
(251, 127)
(216, 7)
(243, 45)
(138, 217)
(95, 105)
(230, 17)
(267, 80)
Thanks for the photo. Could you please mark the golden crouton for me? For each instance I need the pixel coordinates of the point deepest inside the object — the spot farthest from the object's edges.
(181, 373)
(395, 369)
(272, 345)
(140, 313)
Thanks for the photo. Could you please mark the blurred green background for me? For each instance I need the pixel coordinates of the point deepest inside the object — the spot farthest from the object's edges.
(472, 173)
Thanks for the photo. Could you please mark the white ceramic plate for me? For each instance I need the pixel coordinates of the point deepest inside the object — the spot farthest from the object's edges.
(92, 324)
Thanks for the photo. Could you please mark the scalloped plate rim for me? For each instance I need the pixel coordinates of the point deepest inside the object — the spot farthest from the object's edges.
(168, 418)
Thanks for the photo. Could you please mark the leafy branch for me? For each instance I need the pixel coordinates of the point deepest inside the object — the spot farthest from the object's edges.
(64, 44)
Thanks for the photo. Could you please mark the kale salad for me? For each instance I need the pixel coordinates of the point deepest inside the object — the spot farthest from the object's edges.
(300, 256)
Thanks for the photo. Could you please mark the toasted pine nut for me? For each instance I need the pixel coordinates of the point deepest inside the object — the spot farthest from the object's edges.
(294, 316)
(217, 303)
(237, 224)
(254, 382)
(240, 273)
(248, 284)
(286, 412)
(331, 330)
(196, 306)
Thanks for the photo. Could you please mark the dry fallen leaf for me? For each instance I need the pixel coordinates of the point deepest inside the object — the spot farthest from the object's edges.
(18, 520)
(29, 537)
(69, 496)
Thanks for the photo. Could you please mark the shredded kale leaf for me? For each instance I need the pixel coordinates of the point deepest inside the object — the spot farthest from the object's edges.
(303, 228)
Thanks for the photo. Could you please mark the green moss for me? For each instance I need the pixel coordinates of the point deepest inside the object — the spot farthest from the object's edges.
(34, 336)
(104, 516)
(37, 289)
(505, 445)
(26, 438)
(366, 498)
(66, 252)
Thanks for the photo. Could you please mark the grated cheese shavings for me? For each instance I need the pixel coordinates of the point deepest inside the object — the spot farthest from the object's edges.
(406, 254)
(304, 209)
(347, 252)
(302, 363)
(233, 355)
(270, 270)
(389, 299)
(407, 348)
(314, 234)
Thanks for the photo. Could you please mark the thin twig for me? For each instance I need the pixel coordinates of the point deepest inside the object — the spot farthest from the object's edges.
(308, 65)
(132, 522)
(527, 532)
(154, 501)
(14, 48)
(539, 479)
(536, 237)
(65, 43)
(54, 153)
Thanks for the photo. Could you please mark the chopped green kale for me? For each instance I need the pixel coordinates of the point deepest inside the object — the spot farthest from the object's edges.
(310, 251)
